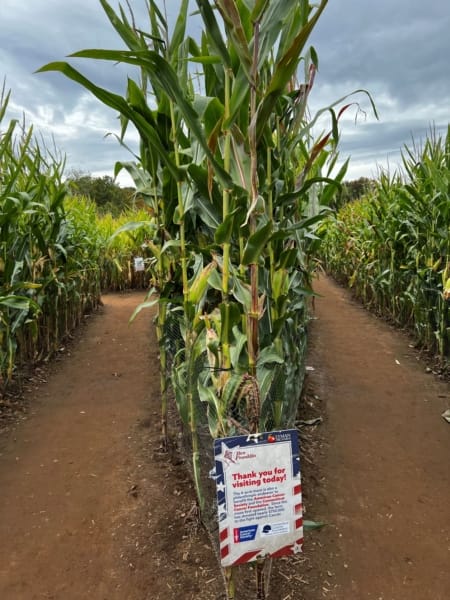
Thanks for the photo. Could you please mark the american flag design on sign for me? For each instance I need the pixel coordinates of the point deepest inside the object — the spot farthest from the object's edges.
(259, 496)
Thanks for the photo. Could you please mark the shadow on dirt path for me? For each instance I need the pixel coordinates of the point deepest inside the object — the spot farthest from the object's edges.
(91, 509)
(385, 488)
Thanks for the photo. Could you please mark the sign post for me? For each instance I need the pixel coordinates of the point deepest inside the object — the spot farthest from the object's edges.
(259, 496)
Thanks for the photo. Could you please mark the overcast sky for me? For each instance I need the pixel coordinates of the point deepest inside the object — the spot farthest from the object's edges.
(399, 50)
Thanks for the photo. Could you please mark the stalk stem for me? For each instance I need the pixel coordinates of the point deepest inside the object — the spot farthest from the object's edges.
(226, 357)
(188, 324)
(253, 316)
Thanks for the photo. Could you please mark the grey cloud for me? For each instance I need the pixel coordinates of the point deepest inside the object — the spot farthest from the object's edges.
(403, 44)
(396, 50)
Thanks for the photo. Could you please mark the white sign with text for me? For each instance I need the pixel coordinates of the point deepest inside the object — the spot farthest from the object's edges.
(259, 496)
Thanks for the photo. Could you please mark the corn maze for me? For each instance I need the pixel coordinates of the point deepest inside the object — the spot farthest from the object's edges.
(56, 255)
(392, 247)
(236, 188)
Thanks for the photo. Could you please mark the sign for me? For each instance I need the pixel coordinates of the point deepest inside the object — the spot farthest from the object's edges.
(139, 265)
(259, 496)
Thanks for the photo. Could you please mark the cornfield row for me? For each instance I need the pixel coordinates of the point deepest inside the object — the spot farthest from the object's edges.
(393, 247)
(55, 255)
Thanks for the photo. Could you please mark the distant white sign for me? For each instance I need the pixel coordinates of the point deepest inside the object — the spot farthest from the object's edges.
(259, 496)
(139, 264)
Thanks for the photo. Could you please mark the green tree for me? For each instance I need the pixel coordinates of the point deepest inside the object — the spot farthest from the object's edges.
(353, 190)
(108, 196)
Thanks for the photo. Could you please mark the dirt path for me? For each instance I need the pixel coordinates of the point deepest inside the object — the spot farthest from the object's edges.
(386, 473)
(91, 509)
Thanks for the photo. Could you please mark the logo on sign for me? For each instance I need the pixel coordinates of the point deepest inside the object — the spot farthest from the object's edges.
(245, 534)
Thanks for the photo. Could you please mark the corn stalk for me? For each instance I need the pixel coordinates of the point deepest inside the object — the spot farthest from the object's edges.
(233, 159)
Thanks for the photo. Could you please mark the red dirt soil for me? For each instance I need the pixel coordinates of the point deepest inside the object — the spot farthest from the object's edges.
(91, 509)
(384, 461)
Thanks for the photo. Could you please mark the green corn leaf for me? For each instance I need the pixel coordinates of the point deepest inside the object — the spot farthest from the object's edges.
(278, 22)
(215, 280)
(137, 101)
(141, 178)
(131, 226)
(206, 60)
(266, 377)
(288, 258)
(207, 212)
(259, 9)
(241, 168)
(179, 385)
(4, 101)
(270, 355)
(232, 19)
(239, 98)
(117, 103)
(224, 232)
(156, 17)
(280, 282)
(236, 349)
(213, 31)
(241, 291)
(29, 285)
(19, 303)
(284, 199)
(208, 396)
(230, 317)
(123, 28)
(144, 305)
(164, 77)
(179, 31)
(285, 69)
(256, 244)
